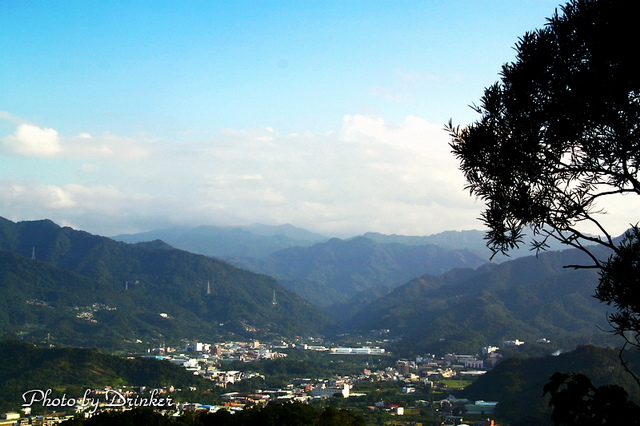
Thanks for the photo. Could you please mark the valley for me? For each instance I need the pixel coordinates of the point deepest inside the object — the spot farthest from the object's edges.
(372, 303)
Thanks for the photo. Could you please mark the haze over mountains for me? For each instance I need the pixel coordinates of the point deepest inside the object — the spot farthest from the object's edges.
(221, 241)
(437, 293)
(259, 240)
(342, 276)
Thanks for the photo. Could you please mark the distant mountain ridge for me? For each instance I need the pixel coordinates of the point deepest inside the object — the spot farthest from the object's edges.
(158, 292)
(259, 241)
(340, 272)
(253, 241)
(340, 275)
(473, 240)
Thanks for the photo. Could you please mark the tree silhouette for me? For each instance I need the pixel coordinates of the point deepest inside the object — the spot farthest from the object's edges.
(558, 134)
(577, 401)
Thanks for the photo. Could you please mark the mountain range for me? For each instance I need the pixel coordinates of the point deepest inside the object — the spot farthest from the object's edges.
(342, 276)
(339, 275)
(79, 288)
(258, 240)
(529, 298)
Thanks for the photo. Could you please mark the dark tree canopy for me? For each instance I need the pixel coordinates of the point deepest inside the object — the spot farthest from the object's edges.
(560, 130)
(578, 402)
(559, 134)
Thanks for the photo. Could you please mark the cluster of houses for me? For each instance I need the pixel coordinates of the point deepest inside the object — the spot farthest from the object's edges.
(239, 351)
(204, 359)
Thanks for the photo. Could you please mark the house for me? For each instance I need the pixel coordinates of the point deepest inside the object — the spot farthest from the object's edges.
(330, 391)
(481, 407)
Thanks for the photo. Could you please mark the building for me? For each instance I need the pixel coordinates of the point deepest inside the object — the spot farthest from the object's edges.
(404, 368)
(331, 391)
(358, 351)
(489, 350)
(473, 363)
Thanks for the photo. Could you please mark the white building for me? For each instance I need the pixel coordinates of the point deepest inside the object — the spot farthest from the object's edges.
(489, 350)
(323, 391)
(358, 351)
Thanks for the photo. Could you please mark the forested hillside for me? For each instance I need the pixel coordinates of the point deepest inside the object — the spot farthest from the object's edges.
(350, 273)
(517, 383)
(528, 299)
(141, 292)
(73, 370)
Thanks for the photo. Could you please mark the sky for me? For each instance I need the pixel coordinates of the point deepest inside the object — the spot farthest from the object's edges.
(126, 116)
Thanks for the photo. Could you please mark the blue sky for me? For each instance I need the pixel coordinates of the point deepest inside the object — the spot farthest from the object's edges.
(122, 116)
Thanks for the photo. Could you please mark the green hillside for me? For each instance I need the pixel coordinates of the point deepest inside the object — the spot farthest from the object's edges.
(461, 311)
(73, 370)
(142, 292)
(348, 272)
(517, 383)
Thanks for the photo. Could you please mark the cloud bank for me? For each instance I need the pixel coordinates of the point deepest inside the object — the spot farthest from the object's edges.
(368, 175)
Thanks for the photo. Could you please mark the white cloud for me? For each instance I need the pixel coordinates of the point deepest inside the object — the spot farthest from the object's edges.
(32, 140)
(367, 175)
(370, 175)
(108, 146)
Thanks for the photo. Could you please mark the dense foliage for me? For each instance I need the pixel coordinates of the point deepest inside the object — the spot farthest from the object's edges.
(578, 402)
(560, 131)
(559, 134)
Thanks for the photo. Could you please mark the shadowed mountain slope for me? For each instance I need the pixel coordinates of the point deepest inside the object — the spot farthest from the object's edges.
(349, 273)
(168, 293)
(527, 299)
